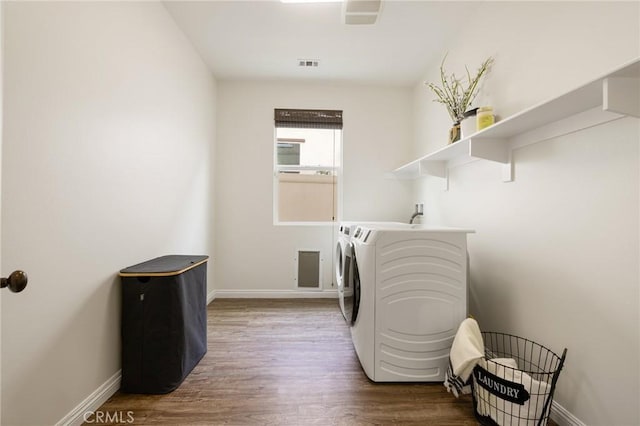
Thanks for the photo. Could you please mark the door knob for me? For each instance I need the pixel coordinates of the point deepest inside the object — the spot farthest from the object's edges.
(16, 282)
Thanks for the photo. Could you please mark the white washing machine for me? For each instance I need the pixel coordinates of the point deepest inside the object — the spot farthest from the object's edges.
(410, 286)
(344, 239)
(342, 262)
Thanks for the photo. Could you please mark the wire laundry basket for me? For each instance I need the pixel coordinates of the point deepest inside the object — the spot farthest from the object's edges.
(515, 382)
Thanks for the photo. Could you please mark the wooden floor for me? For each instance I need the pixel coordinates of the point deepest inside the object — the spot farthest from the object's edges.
(287, 362)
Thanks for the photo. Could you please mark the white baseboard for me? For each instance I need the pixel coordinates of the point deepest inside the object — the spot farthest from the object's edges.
(93, 401)
(563, 417)
(275, 294)
(211, 296)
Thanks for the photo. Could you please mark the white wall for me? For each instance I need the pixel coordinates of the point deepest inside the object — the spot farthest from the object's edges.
(253, 254)
(555, 256)
(109, 118)
(1, 116)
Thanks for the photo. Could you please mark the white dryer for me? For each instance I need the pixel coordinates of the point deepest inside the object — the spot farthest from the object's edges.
(411, 289)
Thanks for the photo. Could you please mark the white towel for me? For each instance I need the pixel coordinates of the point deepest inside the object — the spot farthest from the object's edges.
(467, 349)
(506, 413)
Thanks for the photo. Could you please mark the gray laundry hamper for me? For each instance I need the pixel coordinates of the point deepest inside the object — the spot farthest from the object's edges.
(164, 322)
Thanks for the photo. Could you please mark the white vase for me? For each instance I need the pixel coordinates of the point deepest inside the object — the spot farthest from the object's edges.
(468, 125)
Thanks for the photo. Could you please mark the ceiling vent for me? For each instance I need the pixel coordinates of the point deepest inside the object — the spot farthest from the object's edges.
(361, 12)
(308, 63)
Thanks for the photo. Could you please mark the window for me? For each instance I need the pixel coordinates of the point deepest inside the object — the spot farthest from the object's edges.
(307, 165)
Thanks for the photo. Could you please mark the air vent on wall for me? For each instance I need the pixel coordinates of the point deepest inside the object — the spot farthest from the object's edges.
(361, 12)
(308, 63)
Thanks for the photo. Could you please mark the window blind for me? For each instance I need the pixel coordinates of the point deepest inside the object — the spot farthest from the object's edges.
(308, 118)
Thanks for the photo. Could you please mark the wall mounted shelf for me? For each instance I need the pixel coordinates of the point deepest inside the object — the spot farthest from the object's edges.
(608, 98)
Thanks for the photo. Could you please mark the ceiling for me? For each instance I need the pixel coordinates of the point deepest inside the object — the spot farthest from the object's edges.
(261, 40)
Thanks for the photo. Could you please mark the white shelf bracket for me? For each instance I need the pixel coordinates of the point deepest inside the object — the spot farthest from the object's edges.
(507, 168)
(621, 95)
(497, 150)
(436, 168)
(490, 149)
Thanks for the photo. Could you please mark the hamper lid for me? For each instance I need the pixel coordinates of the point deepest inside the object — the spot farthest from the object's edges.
(164, 266)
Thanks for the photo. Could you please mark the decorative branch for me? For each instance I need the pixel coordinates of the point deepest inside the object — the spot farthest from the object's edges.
(453, 95)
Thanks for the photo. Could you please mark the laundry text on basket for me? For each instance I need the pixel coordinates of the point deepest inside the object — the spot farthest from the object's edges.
(507, 390)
